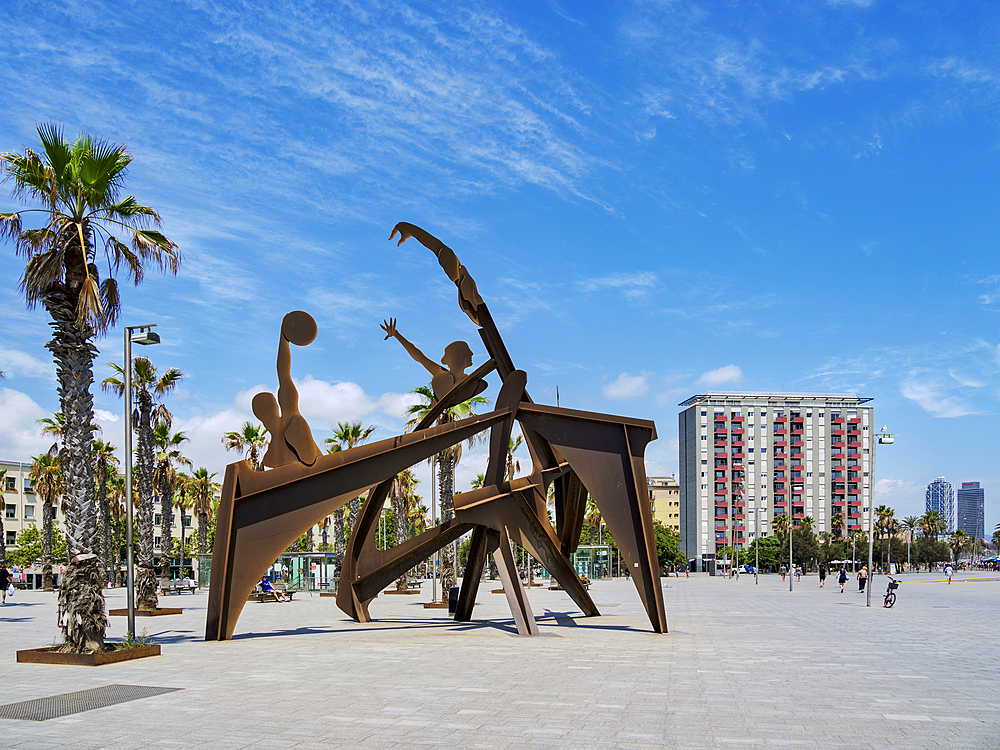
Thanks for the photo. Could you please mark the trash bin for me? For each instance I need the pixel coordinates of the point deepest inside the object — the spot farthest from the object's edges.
(452, 600)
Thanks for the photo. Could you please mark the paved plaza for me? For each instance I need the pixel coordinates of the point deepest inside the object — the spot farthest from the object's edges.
(743, 665)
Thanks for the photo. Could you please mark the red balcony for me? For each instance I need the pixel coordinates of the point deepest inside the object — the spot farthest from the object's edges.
(797, 467)
(798, 480)
(781, 454)
(780, 503)
(837, 420)
(736, 468)
(741, 529)
(741, 515)
(838, 445)
(797, 432)
(736, 418)
(838, 456)
(738, 443)
(721, 492)
(780, 431)
(854, 420)
(781, 492)
(738, 430)
(720, 443)
(721, 516)
(781, 419)
(780, 444)
(855, 515)
(837, 432)
(854, 433)
(798, 515)
(738, 456)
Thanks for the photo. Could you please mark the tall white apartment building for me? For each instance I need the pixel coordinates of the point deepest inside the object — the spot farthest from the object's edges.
(745, 458)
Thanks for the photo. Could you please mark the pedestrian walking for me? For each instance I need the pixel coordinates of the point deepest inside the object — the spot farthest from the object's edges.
(822, 574)
(862, 577)
(5, 579)
(798, 573)
(949, 572)
(842, 578)
(783, 570)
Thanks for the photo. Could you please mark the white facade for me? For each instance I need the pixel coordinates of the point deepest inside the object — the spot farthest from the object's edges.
(745, 458)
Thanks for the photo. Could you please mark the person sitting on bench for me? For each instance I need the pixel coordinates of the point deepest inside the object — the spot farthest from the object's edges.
(269, 589)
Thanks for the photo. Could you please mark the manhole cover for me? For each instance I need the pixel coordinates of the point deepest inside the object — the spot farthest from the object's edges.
(40, 709)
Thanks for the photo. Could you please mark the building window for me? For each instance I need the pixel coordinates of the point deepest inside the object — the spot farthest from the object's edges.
(29, 511)
(11, 537)
(27, 485)
(11, 511)
(157, 519)
(156, 541)
(187, 520)
(11, 484)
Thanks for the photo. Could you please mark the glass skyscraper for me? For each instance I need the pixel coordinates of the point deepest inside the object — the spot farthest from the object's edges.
(941, 497)
(971, 510)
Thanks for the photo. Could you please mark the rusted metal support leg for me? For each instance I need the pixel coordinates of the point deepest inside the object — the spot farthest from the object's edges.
(524, 619)
(473, 572)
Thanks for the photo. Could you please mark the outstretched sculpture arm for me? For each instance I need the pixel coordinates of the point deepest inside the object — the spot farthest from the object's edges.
(389, 326)
(468, 295)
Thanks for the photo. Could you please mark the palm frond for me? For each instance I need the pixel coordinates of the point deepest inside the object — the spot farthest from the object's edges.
(111, 301)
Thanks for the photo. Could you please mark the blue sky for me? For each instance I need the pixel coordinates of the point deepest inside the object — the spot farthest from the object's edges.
(655, 198)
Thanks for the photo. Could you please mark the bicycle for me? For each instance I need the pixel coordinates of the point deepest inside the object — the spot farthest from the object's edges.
(890, 593)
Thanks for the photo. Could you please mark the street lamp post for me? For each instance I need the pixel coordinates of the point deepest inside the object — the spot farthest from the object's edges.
(145, 336)
(434, 523)
(882, 438)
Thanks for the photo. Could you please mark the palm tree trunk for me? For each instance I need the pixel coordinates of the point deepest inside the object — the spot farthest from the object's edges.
(3, 537)
(81, 595)
(166, 525)
(338, 539)
(203, 533)
(446, 490)
(309, 540)
(47, 583)
(104, 526)
(116, 546)
(353, 510)
(145, 579)
(401, 529)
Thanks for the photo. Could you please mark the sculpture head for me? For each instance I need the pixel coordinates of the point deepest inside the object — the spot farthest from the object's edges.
(457, 356)
(298, 328)
(265, 408)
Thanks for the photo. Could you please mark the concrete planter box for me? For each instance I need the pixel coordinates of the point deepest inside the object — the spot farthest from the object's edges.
(51, 655)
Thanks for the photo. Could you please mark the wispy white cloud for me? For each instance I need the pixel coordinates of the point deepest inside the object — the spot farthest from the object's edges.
(19, 433)
(725, 374)
(13, 361)
(632, 285)
(934, 399)
(626, 386)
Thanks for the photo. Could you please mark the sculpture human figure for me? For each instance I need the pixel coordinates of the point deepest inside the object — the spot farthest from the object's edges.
(468, 295)
(457, 357)
(291, 438)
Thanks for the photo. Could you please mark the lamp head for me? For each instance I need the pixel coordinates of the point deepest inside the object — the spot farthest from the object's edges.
(145, 336)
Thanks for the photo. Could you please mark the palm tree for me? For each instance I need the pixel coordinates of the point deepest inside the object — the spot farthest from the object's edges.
(203, 490)
(780, 525)
(401, 494)
(837, 524)
(251, 438)
(116, 506)
(996, 535)
(105, 467)
(933, 523)
(78, 187)
(47, 480)
(52, 425)
(909, 524)
(165, 478)
(446, 461)
(959, 541)
(884, 523)
(346, 436)
(148, 389)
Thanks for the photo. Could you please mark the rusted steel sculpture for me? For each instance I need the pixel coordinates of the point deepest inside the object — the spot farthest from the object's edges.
(576, 453)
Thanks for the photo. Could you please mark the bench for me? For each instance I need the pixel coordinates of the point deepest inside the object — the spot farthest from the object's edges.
(178, 587)
(271, 596)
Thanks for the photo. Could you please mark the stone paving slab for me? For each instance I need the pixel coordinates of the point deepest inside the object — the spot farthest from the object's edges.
(744, 666)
